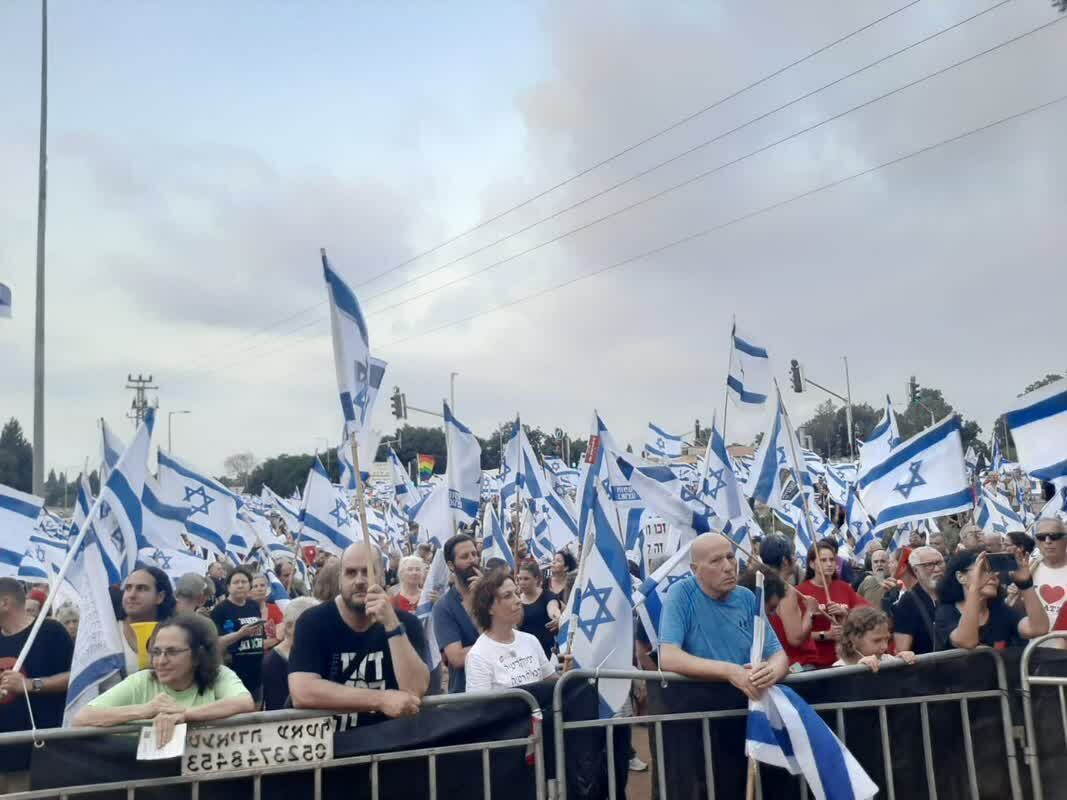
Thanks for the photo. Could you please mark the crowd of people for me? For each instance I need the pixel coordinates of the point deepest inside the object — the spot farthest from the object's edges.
(207, 647)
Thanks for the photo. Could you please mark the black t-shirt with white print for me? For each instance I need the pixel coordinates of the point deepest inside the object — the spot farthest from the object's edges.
(246, 656)
(326, 646)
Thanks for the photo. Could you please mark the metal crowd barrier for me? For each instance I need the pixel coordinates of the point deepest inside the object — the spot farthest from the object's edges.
(1026, 680)
(431, 754)
(559, 789)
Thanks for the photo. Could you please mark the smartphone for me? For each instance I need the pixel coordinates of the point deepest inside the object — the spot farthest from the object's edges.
(1001, 562)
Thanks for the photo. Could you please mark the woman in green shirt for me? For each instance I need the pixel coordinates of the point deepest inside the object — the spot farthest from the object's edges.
(185, 682)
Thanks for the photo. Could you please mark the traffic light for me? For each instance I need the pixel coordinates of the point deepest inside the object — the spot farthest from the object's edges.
(794, 374)
(913, 390)
(400, 404)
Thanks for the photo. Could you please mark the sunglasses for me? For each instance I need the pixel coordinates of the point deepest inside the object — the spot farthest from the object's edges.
(1050, 537)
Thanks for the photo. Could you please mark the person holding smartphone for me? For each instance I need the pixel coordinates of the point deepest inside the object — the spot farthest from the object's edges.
(241, 630)
(972, 610)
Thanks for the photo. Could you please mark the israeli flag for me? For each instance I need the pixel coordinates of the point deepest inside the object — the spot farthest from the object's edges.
(18, 520)
(858, 523)
(368, 441)
(326, 520)
(99, 649)
(784, 731)
(111, 447)
(600, 439)
(434, 516)
(403, 489)
(43, 558)
(212, 507)
(882, 439)
(435, 584)
(922, 477)
(464, 473)
(720, 489)
(970, 460)
(775, 480)
(668, 497)
(374, 383)
(494, 544)
(662, 445)
(602, 610)
(837, 483)
(1038, 423)
(650, 599)
(163, 524)
(5, 301)
(289, 515)
(995, 514)
(174, 563)
(351, 349)
(749, 381)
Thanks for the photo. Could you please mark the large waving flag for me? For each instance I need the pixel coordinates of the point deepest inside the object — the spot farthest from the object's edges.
(433, 515)
(174, 563)
(749, 381)
(882, 439)
(212, 507)
(602, 609)
(922, 477)
(289, 515)
(720, 490)
(118, 514)
(464, 473)
(662, 492)
(327, 521)
(1038, 424)
(995, 514)
(785, 732)
(163, 524)
(662, 445)
(111, 448)
(374, 383)
(351, 348)
(404, 490)
(775, 480)
(18, 520)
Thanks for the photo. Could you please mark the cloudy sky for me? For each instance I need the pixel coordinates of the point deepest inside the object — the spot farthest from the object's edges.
(201, 153)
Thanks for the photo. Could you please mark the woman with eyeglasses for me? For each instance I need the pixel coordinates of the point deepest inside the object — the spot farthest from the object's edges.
(972, 610)
(185, 682)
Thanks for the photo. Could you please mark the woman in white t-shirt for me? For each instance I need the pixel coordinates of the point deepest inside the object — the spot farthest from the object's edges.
(502, 657)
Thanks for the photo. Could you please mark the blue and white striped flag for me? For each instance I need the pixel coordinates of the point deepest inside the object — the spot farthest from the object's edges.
(720, 489)
(212, 507)
(43, 558)
(174, 563)
(494, 543)
(463, 474)
(881, 440)
(858, 523)
(785, 731)
(404, 490)
(111, 447)
(326, 519)
(163, 524)
(283, 508)
(775, 479)
(434, 585)
(351, 348)
(662, 492)
(662, 445)
(1038, 424)
(5, 301)
(652, 596)
(995, 514)
(18, 520)
(749, 381)
(922, 477)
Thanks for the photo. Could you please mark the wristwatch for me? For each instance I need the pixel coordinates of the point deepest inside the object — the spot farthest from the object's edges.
(37, 685)
(399, 630)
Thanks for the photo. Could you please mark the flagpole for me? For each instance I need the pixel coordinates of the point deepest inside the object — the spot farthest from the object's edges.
(592, 451)
(800, 487)
(372, 567)
(729, 364)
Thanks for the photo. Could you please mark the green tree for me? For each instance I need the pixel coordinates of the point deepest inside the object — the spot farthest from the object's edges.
(285, 473)
(917, 416)
(828, 428)
(415, 440)
(16, 457)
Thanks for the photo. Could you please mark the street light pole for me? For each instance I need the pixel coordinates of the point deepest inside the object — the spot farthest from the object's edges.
(848, 413)
(170, 441)
(452, 391)
(38, 351)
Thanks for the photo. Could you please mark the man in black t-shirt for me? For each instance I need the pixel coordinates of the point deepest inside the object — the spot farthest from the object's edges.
(241, 631)
(913, 615)
(43, 679)
(357, 654)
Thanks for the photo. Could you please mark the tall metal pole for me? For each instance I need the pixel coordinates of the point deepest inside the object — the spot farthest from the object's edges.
(452, 392)
(38, 355)
(726, 399)
(848, 414)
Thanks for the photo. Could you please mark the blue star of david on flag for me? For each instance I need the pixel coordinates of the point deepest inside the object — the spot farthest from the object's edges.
(673, 579)
(118, 540)
(205, 500)
(914, 481)
(713, 490)
(105, 509)
(340, 513)
(162, 559)
(660, 443)
(40, 554)
(781, 454)
(602, 616)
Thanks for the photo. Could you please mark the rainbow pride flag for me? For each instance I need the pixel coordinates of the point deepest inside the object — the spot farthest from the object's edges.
(426, 464)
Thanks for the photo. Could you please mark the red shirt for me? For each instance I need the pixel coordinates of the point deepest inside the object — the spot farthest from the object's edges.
(806, 654)
(401, 603)
(840, 593)
(273, 620)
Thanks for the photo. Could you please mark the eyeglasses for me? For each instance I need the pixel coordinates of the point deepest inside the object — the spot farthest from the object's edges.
(930, 564)
(1049, 537)
(169, 652)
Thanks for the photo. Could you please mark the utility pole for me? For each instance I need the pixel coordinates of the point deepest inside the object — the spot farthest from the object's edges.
(38, 350)
(139, 407)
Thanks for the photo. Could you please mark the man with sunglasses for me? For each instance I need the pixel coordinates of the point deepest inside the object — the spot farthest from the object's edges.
(1050, 575)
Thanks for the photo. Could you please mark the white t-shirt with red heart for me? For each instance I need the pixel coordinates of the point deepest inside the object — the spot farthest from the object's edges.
(1051, 586)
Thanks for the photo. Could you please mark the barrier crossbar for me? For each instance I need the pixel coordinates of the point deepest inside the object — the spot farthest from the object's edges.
(431, 754)
(1000, 693)
(1026, 681)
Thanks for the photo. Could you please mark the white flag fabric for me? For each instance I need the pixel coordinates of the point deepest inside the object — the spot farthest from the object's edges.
(775, 480)
(174, 563)
(5, 301)
(1038, 424)
(858, 523)
(662, 445)
(18, 520)
(995, 514)
(922, 477)
(327, 521)
(163, 524)
(351, 348)
(434, 516)
(749, 381)
(495, 545)
(404, 490)
(435, 585)
(118, 514)
(111, 447)
(881, 440)
(283, 508)
(463, 474)
(651, 597)
(43, 558)
(720, 489)
(212, 507)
